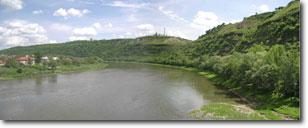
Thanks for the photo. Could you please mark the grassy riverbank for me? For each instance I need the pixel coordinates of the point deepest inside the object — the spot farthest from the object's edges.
(224, 111)
(31, 71)
(263, 108)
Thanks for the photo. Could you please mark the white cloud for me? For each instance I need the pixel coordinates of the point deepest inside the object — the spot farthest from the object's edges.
(234, 21)
(80, 33)
(71, 12)
(72, 38)
(2, 30)
(60, 12)
(21, 33)
(132, 18)
(60, 27)
(85, 31)
(145, 29)
(172, 15)
(109, 25)
(205, 20)
(259, 9)
(12, 4)
(35, 12)
(177, 33)
(127, 35)
(15, 40)
(53, 41)
(263, 8)
(97, 25)
(125, 5)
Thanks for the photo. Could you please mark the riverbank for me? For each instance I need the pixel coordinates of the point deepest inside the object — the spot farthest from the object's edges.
(32, 71)
(263, 109)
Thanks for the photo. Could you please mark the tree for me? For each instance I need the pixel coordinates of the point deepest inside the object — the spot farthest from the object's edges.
(12, 63)
(52, 65)
(19, 70)
(38, 57)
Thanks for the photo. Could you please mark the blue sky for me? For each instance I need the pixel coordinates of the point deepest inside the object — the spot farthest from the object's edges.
(29, 22)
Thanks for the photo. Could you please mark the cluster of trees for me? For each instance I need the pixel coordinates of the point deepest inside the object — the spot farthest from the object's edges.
(262, 70)
(79, 61)
(12, 63)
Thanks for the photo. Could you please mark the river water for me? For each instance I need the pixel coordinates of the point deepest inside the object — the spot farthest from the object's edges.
(122, 91)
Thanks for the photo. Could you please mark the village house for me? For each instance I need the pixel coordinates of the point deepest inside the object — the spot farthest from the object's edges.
(55, 58)
(2, 62)
(25, 60)
(45, 59)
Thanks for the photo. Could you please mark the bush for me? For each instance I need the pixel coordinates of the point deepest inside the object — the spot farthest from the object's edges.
(274, 71)
(12, 63)
(19, 70)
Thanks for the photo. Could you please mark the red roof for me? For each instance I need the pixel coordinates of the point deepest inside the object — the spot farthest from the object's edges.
(23, 58)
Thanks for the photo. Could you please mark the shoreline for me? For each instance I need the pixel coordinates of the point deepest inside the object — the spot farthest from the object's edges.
(63, 69)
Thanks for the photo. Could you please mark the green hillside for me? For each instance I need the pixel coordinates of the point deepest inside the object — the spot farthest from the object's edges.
(278, 27)
(115, 49)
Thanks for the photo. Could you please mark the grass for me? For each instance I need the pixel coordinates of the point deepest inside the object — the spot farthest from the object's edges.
(224, 111)
(208, 75)
(293, 112)
(271, 115)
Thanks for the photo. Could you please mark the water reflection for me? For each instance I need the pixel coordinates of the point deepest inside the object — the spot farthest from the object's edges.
(38, 85)
(52, 86)
(53, 79)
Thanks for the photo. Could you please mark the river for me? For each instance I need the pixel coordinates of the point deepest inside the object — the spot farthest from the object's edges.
(122, 91)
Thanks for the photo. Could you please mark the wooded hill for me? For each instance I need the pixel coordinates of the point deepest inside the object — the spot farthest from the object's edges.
(279, 27)
(115, 49)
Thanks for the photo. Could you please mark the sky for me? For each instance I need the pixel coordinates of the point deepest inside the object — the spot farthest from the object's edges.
(31, 22)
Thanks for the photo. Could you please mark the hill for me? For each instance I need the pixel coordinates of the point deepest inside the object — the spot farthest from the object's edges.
(278, 27)
(115, 49)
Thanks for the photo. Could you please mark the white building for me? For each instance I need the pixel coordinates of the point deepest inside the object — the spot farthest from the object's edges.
(55, 58)
(45, 59)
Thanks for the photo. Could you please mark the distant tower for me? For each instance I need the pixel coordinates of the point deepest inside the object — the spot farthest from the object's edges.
(164, 31)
